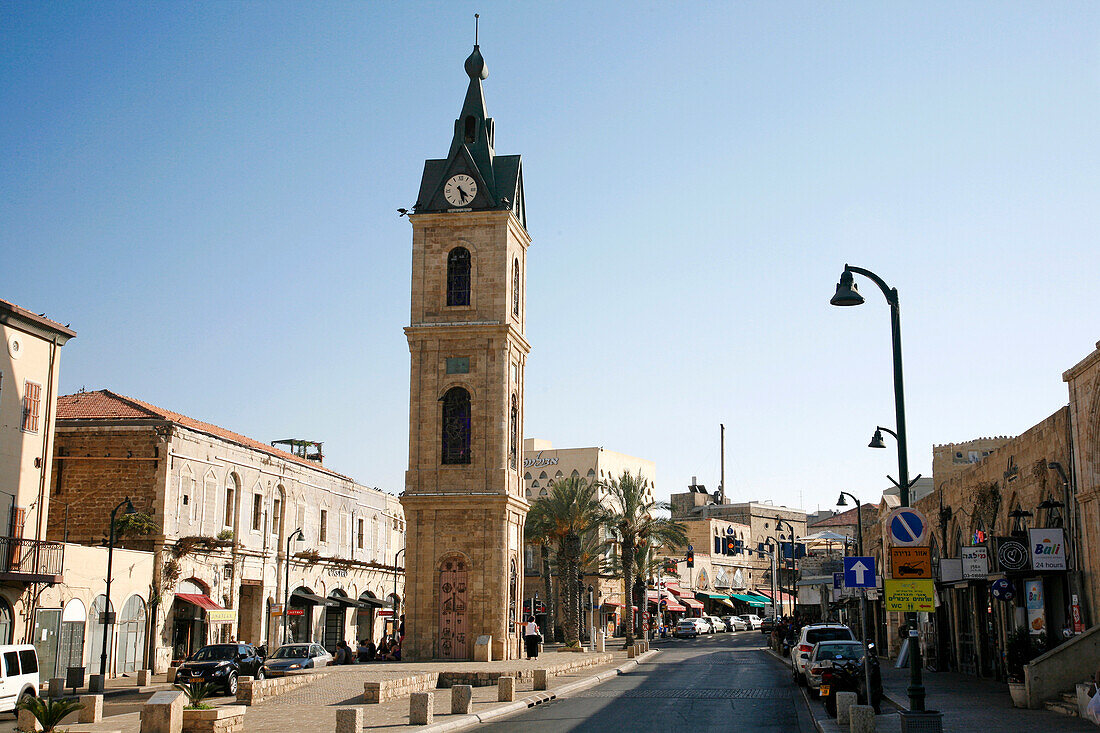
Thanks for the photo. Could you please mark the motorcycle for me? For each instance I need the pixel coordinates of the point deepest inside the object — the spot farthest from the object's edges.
(846, 675)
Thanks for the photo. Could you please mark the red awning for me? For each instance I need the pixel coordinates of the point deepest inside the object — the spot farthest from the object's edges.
(691, 603)
(652, 596)
(612, 604)
(201, 600)
(675, 607)
(674, 589)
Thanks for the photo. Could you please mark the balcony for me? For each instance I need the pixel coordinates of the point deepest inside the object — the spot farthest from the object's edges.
(31, 561)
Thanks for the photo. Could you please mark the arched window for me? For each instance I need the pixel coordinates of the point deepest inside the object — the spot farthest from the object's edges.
(514, 432)
(232, 486)
(515, 287)
(456, 426)
(72, 635)
(5, 622)
(458, 276)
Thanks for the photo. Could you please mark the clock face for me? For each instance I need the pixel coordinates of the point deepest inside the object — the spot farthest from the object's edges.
(460, 190)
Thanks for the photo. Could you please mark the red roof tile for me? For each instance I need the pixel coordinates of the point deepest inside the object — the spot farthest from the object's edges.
(106, 405)
(845, 519)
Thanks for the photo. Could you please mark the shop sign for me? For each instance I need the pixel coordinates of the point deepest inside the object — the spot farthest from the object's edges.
(1048, 549)
(338, 572)
(538, 461)
(951, 569)
(215, 615)
(975, 561)
(276, 609)
(296, 612)
(911, 562)
(1036, 618)
(1012, 555)
(910, 595)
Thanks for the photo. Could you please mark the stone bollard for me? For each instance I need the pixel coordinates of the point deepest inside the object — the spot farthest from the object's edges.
(95, 684)
(92, 712)
(57, 687)
(631, 651)
(462, 697)
(172, 674)
(421, 708)
(350, 720)
(600, 642)
(540, 677)
(144, 677)
(245, 678)
(861, 719)
(27, 721)
(163, 712)
(506, 689)
(844, 703)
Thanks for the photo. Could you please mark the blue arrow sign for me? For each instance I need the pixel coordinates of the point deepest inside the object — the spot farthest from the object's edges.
(859, 572)
(907, 526)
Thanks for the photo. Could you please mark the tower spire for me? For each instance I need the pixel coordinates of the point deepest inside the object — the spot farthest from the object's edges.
(476, 16)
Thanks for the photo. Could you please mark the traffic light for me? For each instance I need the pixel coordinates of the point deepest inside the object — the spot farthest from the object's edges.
(731, 545)
(691, 558)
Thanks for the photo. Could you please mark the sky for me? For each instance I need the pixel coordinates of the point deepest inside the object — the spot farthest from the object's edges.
(208, 194)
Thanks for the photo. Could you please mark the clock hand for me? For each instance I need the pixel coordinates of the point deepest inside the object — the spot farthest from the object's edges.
(462, 193)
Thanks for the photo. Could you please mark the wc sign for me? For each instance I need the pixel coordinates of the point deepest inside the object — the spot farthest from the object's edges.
(1048, 549)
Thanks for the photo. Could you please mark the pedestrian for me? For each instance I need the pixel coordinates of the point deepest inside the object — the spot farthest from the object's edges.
(531, 638)
(365, 652)
(342, 653)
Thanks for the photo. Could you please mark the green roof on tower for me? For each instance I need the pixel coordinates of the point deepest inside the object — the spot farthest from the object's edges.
(497, 179)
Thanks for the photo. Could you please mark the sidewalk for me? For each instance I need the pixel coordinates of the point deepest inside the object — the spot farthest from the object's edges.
(973, 703)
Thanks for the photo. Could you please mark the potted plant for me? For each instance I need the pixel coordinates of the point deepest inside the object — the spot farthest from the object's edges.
(1023, 646)
(49, 712)
(202, 716)
(196, 692)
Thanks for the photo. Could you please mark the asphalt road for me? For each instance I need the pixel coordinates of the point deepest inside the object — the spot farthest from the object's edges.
(715, 682)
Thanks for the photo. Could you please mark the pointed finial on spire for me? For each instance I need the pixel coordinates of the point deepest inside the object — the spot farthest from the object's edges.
(475, 64)
(476, 16)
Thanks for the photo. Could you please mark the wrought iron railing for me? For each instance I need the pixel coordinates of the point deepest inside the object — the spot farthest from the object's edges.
(31, 557)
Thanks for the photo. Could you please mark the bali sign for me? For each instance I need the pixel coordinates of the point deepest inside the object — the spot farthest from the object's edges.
(1048, 549)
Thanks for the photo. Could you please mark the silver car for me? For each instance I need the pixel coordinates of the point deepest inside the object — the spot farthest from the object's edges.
(736, 623)
(296, 657)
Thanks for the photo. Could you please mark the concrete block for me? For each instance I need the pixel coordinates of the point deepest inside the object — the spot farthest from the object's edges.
(95, 684)
(483, 648)
(844, 702)
(540, 678)
(506, 689)
(632, 651)
(861, 719)
(600, 642)
(172, 673)
(57, 687)
(163, 712)
(27, 722)
(92, 712)
(144, 677)
(421, 708)
(462, 697)
(350, 720)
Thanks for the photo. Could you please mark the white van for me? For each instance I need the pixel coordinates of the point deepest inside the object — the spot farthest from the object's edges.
(19, 670)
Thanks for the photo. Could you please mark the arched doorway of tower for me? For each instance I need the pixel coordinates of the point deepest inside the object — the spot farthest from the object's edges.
(335, 618)
(453, 637)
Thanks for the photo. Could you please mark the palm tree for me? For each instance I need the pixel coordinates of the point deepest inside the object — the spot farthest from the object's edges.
(633, 520)
(538, 531)
(569, 511)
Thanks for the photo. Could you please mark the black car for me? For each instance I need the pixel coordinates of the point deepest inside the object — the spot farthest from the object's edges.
(767, 626)
(222, 664)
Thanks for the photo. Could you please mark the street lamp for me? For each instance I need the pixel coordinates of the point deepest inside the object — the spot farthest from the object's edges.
(295, 535)
(396, 604)
(862, 592)
(846, 295)
(108, 616)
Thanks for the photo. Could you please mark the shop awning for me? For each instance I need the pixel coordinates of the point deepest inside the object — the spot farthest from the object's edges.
(713, 596)
(675, 607)
(754, 601)
(214, 612)
(611, 604)
(312, 598)
(691, 603)
(652, 596)
(726, 601)
(674, 589)
(375, 603)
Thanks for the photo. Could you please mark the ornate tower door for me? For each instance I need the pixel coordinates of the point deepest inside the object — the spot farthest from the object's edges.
(453, 642)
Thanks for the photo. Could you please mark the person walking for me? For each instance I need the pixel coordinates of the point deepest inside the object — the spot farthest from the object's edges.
(531, 638)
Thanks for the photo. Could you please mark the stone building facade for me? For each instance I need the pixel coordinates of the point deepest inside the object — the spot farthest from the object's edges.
(463, 497)
(30, 367)
(224, 508)
(1083, 382)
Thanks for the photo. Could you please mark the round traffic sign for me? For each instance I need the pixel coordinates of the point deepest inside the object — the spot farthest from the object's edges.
(908, 527)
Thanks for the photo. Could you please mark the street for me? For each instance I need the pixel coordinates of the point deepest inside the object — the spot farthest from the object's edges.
(715, 682)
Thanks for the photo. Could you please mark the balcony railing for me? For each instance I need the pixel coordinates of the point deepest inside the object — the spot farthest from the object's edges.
(31, 561)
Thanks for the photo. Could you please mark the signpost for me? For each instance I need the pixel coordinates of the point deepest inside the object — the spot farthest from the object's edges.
(911, 562)
(910, 595)
(908, 526)
(859, 572)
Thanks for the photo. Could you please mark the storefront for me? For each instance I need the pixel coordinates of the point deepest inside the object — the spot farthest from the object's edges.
(193, 616)
(299, 615)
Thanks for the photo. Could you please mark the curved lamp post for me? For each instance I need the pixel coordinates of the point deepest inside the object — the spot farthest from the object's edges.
(779, 522)
(299, 535)
(846, 295)
(108, 616)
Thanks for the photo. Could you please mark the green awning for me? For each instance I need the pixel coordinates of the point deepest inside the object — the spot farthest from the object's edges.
(715, 596)
(754, 601)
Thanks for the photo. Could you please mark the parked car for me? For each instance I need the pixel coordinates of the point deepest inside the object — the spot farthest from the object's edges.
(222, 664)
(20, 674)
(716, 624)
(807, 638)
(701, 625)
(736, 623)
(837, 666)
(767, 626)
(292, 657)
(686, 629)
(752, 620)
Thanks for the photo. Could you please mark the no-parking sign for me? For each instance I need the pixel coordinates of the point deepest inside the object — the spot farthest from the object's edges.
(908, 526)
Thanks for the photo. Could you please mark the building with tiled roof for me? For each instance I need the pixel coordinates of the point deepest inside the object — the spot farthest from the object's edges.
(224, 507)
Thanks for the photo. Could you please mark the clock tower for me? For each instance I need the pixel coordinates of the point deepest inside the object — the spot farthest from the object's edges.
(463, 499)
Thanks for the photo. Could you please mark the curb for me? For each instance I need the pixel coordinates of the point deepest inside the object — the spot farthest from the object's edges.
(468, 721)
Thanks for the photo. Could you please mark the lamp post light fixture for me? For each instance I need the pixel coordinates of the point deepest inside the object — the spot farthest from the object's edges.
(299, 536)
(108, 620)
(862, 592)
(847, 294)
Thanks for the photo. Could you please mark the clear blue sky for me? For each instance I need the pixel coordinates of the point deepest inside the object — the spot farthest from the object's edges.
(207, 192)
